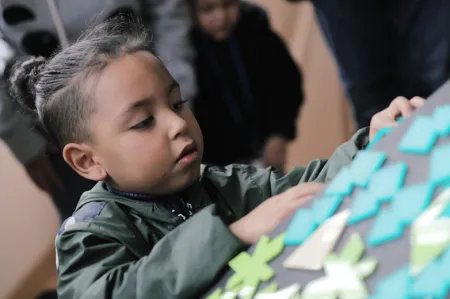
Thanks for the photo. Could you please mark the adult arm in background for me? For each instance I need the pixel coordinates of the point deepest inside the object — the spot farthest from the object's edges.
(26, 144)
(171, 22)
(286, 94)
(15, 129)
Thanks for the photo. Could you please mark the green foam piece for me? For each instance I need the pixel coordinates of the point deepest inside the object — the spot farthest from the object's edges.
(273, 287)
(424, 254)
(420, 137)
(442, 120)
(353, 249)
(217, 294)
(364, 165)
(250, 270)
(440, 164)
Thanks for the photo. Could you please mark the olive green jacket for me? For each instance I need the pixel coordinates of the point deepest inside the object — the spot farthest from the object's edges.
(117, 247)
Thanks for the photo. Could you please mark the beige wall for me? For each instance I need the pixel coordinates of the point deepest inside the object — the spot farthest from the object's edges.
(325, 120)
(29, 225)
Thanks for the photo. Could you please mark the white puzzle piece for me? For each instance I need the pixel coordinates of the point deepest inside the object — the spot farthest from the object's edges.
(312, 253)
(430, 234)
(290, 292)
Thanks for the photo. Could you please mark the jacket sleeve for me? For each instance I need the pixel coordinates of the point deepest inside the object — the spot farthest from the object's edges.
(15, 130)
(93, 264)
(286, 84)
(171, 23)
(245, 187)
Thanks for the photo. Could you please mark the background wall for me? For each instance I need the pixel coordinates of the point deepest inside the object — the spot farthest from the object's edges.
(325, 120)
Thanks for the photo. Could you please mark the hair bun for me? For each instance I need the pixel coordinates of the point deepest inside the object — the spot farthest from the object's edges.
(25, 75)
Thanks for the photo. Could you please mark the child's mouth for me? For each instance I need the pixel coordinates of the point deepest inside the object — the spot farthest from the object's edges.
(188, 155)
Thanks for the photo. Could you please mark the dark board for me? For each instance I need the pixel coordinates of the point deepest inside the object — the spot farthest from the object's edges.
(390, 256)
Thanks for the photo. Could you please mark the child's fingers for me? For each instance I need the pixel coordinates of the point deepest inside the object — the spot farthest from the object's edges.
(400, 106)
(295, 204)
(303, 190)
(417, 102)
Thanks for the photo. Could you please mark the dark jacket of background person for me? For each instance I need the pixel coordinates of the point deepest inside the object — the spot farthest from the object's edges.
(249, 89)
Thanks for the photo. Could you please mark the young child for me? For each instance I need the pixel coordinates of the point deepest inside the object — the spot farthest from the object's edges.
(250, 88)
(158, 224)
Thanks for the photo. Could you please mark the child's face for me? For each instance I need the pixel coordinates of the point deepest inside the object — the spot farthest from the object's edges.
(217, 17)
(143, 138)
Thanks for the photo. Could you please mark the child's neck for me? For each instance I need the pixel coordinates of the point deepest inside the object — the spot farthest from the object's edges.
(138, 195)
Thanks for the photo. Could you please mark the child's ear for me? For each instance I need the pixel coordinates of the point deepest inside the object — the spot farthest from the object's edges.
(80, 158)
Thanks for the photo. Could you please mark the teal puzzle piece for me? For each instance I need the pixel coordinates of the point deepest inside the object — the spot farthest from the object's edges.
(387, 181)
(439, 171)
(364, 165)
(381, 133)
(384, 184)
(431, 282)
(386, 228)
(301, 226)
(420, 137)
(445, 261)
(394, 286)
(341, 185)
(442, 120)
(406, 205)
(446, 211)
(364, 206)
(410, 202)
(324, 208)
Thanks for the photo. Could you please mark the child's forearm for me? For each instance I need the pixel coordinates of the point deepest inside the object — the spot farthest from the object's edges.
(181, 265)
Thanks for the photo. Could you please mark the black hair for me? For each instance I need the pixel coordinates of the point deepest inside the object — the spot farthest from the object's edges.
(56, 90)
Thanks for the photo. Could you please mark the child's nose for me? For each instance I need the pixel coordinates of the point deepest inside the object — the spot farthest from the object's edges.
(220, 16)
(176, 125)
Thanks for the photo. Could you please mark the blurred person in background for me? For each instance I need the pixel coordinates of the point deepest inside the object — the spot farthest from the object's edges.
(386, 48)
(26, 143)
(250, 88)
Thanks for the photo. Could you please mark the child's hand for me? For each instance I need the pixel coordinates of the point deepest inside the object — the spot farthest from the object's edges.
(274, 152)
(399, 107)
(268, 215)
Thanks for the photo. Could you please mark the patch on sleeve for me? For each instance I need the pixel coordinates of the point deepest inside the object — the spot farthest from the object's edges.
(85, 213)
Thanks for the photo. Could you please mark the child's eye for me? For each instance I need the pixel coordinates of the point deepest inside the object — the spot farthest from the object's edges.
(179, 105)
(146, 123)
(207, 9)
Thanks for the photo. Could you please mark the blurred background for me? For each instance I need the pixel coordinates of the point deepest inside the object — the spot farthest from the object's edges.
(326, 108)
